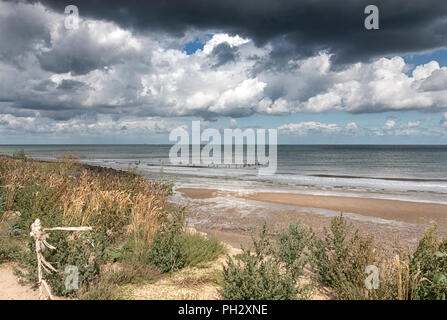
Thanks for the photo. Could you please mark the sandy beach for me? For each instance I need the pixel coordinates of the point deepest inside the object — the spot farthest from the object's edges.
(388, 220)
(407, 211)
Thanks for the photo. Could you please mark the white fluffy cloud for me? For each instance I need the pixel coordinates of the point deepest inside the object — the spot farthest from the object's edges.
(414, 124)
(101, 69)
(101, 125)
(389, 128)
(389, 125)
(410, 128)
(309, 127)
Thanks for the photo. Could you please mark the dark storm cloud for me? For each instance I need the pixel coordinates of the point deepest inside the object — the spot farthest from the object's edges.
(78, 53)
(21, 32)
(224, 54)
(140, 70)
(44, 85)
(49, 61)
(70, 85)
(304, 27)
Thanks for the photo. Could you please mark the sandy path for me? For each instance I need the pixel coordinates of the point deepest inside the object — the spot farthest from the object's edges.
(10, 289)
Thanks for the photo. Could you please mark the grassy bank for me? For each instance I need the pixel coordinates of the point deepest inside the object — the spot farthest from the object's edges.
(139, 239)
(137, 236)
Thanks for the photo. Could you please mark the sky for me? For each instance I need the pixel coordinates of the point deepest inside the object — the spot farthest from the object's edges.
(130, 72)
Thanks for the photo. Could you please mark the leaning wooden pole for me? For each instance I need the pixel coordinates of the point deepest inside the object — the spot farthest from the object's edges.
(39, 235)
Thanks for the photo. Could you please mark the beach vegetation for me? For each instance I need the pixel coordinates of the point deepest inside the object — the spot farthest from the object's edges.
(430, 261)
(9, 250)
(269, 271)
(340, 258)
(172, 249)
(127, 212)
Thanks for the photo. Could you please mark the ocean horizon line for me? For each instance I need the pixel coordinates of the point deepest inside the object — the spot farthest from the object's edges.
(171, 144)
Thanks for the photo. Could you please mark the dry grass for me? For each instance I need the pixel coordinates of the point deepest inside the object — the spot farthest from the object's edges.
(120, 206)
(89, 196)
(407, 283)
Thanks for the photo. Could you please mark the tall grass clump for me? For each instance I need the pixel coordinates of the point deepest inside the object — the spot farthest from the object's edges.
(165, 251)
(271, 270)
(172, 249)
(118, 205)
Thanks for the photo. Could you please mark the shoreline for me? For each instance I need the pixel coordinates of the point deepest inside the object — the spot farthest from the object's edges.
(397, 210)
(393, 210)
(238, 224)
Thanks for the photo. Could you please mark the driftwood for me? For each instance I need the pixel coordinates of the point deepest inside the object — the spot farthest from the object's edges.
(40, 237)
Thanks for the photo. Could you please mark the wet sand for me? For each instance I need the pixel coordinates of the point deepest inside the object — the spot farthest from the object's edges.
(387, 220)
(412, 212)
(407, 211)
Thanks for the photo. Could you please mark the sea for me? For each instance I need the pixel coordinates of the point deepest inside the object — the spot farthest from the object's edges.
(402, 172)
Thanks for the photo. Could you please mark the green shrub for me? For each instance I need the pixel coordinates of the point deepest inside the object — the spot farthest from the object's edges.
(341, 257)
(34, 201)
(172, 249)
(430, 259)
(84, 250)
(165, 251)
(270, 271)
(292, 246)
(198, 249)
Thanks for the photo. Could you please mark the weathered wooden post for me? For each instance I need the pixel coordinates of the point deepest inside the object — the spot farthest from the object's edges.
(39, 235)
